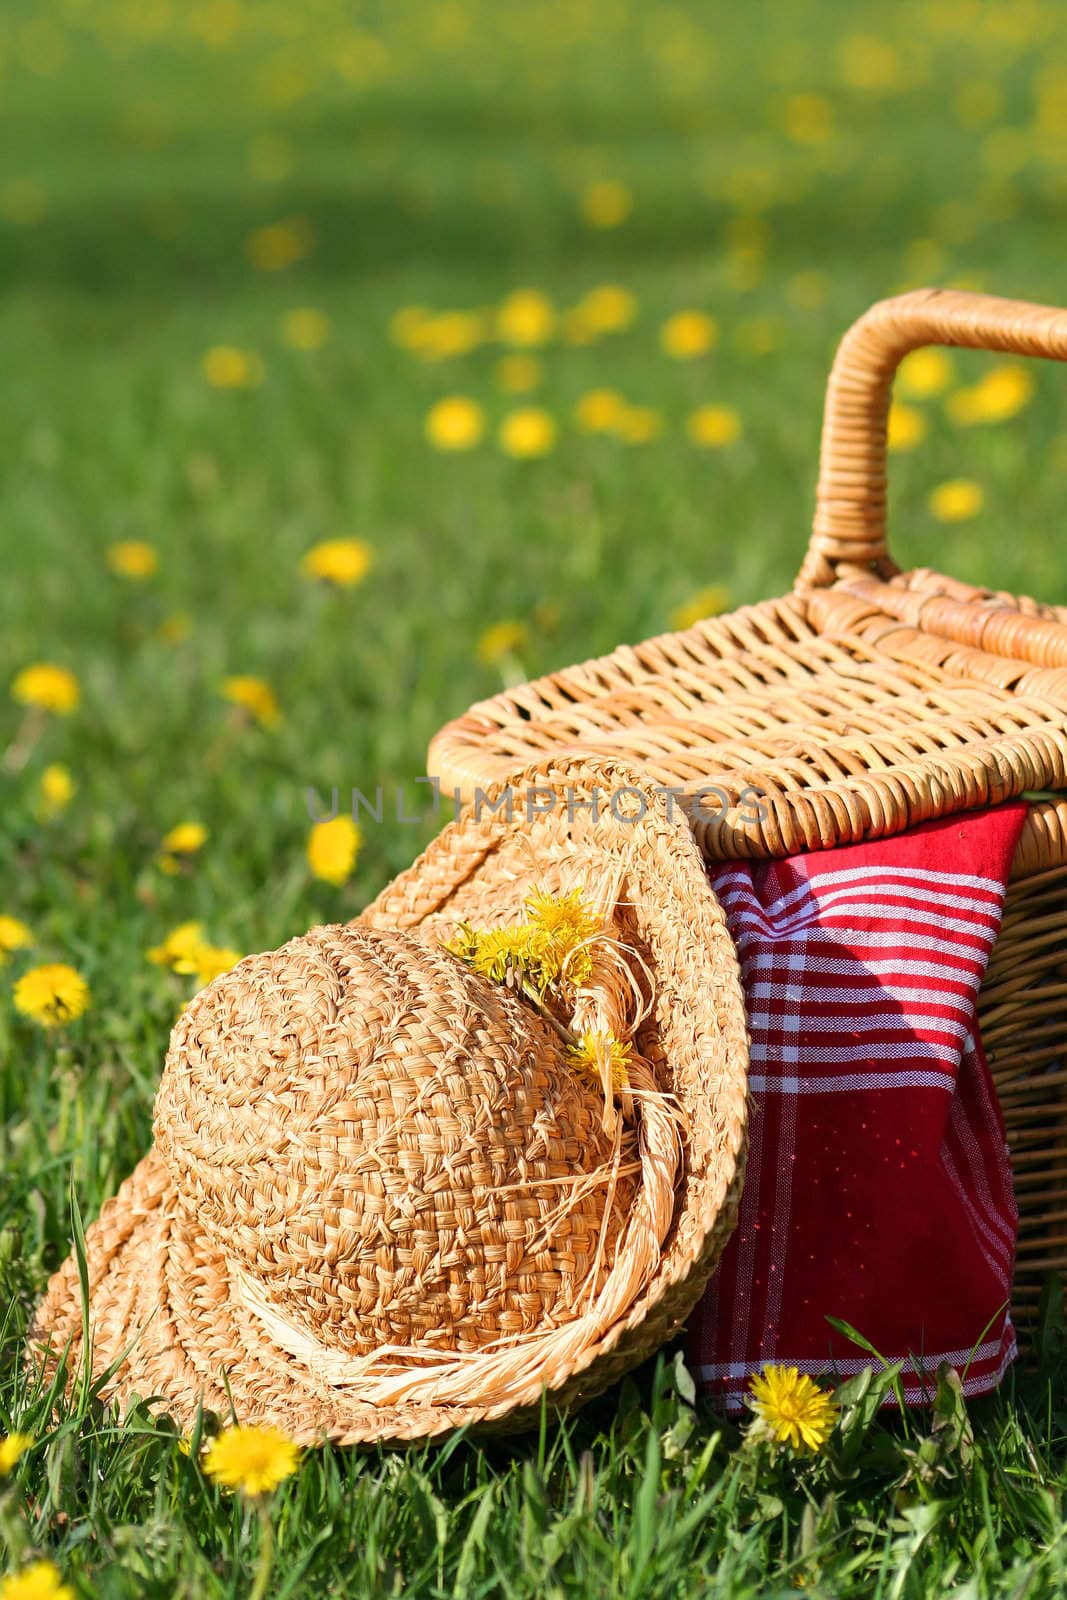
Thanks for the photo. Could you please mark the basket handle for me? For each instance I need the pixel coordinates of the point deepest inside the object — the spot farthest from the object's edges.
(849, 536)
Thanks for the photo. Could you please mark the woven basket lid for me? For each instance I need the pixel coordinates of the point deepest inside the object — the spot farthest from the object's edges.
(383, 1201)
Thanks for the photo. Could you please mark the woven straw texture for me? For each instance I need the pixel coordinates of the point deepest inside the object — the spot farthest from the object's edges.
(864, 702)
(382, 1202)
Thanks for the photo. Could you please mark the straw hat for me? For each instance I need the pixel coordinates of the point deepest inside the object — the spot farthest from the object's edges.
(389, 1194)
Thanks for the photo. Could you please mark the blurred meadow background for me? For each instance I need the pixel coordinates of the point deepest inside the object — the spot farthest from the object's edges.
(359, 359)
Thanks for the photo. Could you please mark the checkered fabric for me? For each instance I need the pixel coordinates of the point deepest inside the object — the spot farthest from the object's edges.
(878, 1187)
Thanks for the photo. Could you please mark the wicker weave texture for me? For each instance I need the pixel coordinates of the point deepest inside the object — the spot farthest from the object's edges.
(866, 701)
(381, 1202)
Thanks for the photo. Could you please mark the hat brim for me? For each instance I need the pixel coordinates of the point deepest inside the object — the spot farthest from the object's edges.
(165, 1315)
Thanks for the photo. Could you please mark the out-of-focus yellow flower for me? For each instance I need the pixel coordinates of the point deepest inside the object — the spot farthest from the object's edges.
(606, 204)
(344, 562)
(599, 410)
(707, 602)
(178, 945)
(305, 328)
(271, 158)
(923, 373)
(526, 317)
(455, 423)
(132, 558)
(758, 336)
(23, 202)
(55, 790)
(280, 244)
(227, 366)
(527, 433)
(500, 639)
(175, 628)
(253, 696)
(206, 962)
(407, 325)
(452, 333)
(41, 1580)
(14, 935)
(714, 426)
(957, 500)
(12, 1449)
(688, 334)
(608, 308)
(251, 1459)
(184, 840)
(906, 427)
(1002, 393)
(48, 687)
(793, 1409)
(518, 374)
(869, 63)
(332, 849)
(809, 119)
(52, 995)
(807, 291)
(639, 424)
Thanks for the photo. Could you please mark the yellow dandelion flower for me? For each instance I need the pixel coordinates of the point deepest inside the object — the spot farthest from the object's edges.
(924, 373)
(957, 500)
(253, 696)
(906, 427)
(305, 328)
(496, 952)
(869, 63)
(758, 336)
(407, 326)
(185, 839)
(12, 1449)
(713, 427)
(227, 366)
(708, 602)
(518, 374)
(179, 945)
(41, 1580)
(280, 244)
(689, 334)
(639, 424)
(55, 791)
(609, 308)
(501, 639)
(455, 423)
(332, 849)
(47, 687)
(252, 1459)
(452, 333)
(564, 925)
(206, 962)
(527, 433)
(52, 995)
(175, 628)
(793, 1408)
(132, 558)
(1001, 393)
(597, 1056)
(14, 935)
(600, 410)
(344, 562)
(809, 119)
(526, 317)
(606, 204)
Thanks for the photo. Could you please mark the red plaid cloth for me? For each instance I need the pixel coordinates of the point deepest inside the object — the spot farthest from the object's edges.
(878, 1187)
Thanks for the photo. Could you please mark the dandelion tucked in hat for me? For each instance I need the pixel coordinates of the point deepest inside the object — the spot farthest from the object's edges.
(484, 1142)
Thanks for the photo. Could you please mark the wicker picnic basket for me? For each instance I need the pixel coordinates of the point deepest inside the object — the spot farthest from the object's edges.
(863, 702)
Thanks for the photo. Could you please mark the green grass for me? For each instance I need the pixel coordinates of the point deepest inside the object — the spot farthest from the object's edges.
(440, 153)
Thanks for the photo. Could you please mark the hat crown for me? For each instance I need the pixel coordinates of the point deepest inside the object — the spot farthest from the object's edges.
(386, 1148)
